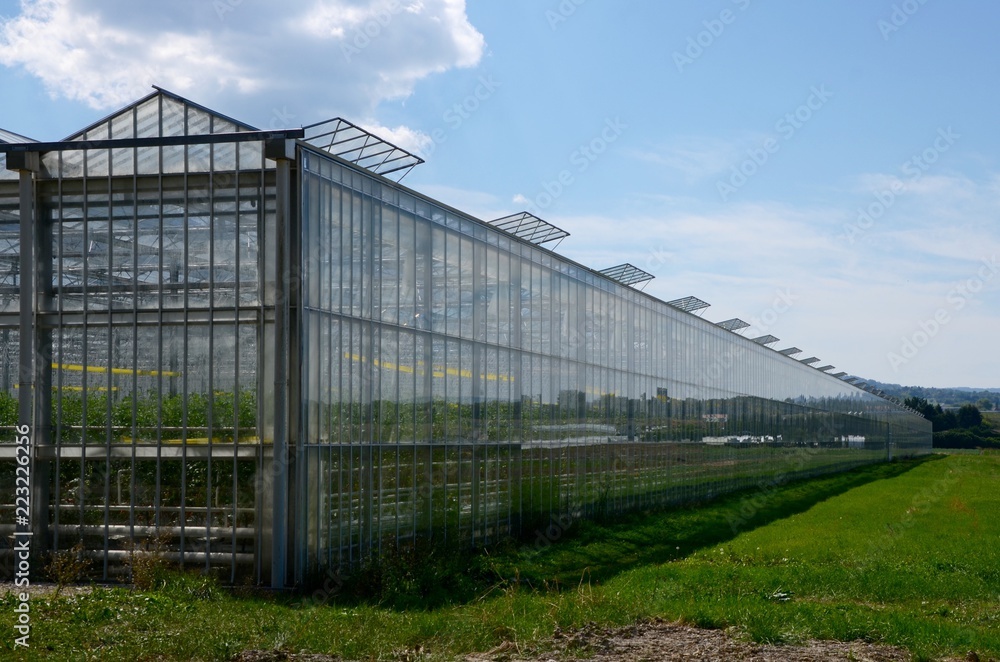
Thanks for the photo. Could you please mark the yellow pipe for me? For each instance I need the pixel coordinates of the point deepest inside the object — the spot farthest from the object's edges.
(72, 367)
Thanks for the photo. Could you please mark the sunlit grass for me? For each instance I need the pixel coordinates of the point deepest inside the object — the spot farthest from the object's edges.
(904, 554)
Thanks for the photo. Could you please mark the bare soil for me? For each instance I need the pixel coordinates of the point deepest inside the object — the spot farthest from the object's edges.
(659, 640)
(45, 589)
(653, 641)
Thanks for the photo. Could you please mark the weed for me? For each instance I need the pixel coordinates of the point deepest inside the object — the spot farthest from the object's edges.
(146, 562)
(67, 566)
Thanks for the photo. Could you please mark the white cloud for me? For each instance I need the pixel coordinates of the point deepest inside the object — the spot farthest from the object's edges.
(855, 301)
(400, 136)
(311, 59)
(696, 158)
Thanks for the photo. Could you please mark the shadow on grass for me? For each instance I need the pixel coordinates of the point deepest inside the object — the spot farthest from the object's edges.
(599, 550)
(425, 575)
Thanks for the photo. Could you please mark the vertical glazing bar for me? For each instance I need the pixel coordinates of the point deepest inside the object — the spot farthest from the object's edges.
(517, 392)
(26, 372)
(335, 250)
(234, 510)
(60, 335)
(42, 423)
(185, 268)
(396, 434)
(426, 371)
(85, 352)
(351, 358)
(184, 274)
(109, 275)
(210, 367)
(279, 539)
(296, 471)
(378, 370)
(134, 358)
(160, 303)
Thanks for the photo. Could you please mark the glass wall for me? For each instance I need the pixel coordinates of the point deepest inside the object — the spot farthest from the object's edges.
(460, 382)
(149, 309)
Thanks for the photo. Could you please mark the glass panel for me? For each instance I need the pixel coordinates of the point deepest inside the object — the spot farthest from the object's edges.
(608, 399)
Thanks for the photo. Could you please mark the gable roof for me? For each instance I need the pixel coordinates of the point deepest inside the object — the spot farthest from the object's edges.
(12, 138)
(159, 114)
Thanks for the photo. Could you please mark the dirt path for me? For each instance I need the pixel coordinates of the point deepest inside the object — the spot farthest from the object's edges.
(656, 641)
(661, 641)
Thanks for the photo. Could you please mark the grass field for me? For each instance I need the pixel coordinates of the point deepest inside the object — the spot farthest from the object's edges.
(905, 553)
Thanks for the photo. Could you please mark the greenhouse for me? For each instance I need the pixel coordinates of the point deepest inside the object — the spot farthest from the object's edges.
(260, 350)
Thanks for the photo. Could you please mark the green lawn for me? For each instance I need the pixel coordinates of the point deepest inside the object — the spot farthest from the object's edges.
(906, 553)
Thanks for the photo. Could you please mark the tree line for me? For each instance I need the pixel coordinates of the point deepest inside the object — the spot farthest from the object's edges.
(965, 428)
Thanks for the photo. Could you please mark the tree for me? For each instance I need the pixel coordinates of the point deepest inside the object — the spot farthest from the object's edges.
(922, 406)
(969, 417)
(985, 405)
(944, 420)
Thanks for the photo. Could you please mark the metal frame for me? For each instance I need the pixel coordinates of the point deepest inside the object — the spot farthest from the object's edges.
(734, 324)
(529, 227)
(627, 274)
(691, 304)
(350, 142)
(165, 141)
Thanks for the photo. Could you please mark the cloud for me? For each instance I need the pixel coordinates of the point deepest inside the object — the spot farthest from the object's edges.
(400, 136)
(937, 221)
(697, 158)
(854, 301)
(312, 60)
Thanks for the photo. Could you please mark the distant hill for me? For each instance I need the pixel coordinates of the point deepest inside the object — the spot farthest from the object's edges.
(946, 397)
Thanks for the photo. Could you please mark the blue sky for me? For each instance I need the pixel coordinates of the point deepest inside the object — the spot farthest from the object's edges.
(827, 171)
